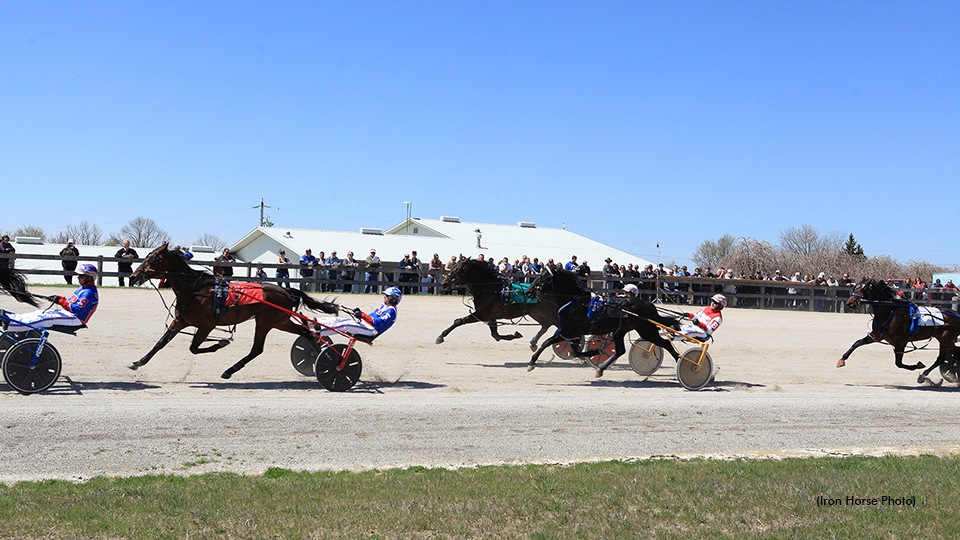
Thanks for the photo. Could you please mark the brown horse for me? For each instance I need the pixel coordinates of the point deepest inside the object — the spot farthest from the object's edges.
(491, 301)
(894, 322)
(198, 305)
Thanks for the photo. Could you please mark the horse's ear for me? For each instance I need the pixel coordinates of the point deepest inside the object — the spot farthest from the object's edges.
(163, 247)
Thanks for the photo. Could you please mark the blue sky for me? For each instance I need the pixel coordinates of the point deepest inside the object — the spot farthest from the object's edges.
(632, 123)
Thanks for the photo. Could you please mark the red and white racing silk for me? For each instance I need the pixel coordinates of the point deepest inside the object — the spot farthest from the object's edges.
(703, 324)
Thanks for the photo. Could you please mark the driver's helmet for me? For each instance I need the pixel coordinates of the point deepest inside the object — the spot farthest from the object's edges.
(720, 299)
(87, 270)
(631, 288)
(393, 293)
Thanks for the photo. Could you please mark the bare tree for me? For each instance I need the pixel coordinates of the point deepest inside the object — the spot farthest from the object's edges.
(212, 240)
(30, 230)
(84, 234)
(144, 232)
(751, 255)
(710, 253)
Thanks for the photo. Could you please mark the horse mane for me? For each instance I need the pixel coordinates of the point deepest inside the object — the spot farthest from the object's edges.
(474, 265)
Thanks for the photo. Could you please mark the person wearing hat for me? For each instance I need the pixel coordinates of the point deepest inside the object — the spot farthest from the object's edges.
(706, 321)
(373, 272)
(307, 263)
(74, 312)
(370, 324)
(608, 273)
(283, 273)
(69, 250)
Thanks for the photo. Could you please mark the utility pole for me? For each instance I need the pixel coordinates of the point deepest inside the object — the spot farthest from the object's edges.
(264, 220)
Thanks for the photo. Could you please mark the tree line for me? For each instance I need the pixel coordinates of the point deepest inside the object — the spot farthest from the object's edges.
(141, 231)
(806, 250)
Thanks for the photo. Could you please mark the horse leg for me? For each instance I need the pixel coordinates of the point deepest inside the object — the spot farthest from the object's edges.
(898, 354)
(945, 356)
(856, 344)
(175, 327)
(620, 349)
(471, 318)
(497, 336)
(536, 338)
(259, 337)
(556, 338)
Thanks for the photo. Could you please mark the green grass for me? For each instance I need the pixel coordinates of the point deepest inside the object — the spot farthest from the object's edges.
(648, 499)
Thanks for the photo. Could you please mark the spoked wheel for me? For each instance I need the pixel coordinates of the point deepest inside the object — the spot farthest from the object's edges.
(25, 379)
(303, 355)
(691, 375)
(607, 349)
(564, 350)
(645, 358)
(950, 372)
(335, 374)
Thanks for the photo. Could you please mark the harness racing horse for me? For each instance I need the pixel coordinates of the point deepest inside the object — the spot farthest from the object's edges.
(198, 305)
(894, 322)
(14, 284)
(583, 314)
(491, 301)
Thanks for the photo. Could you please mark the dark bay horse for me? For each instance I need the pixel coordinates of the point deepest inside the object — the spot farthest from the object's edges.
(14, 284)
(581, 315)
(197, 306)
(489, 304)
(893, 322)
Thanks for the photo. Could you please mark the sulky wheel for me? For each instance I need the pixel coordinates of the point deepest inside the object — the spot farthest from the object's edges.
(303, 355)
(23, 378)
(564, 350)
(607, 349)
(335, 373)
(645, 358)
(950, 372)
(692, 376)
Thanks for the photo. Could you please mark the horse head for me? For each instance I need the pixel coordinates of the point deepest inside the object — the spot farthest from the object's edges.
(160, 263)
(871, 290)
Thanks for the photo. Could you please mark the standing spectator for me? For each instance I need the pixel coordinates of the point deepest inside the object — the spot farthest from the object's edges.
(128, 255)
(349, 273)
(333, 263)
(953, 293)
(225, 257)
(261, 273)
(404, 273)
(833, 283)
(535, 268)
(283, 273)
(416, 270)
(373, 272)
(6, 247)
(320, 272)
(821, 281)
(505, 268)
(608, 273)
(187, 254)
(307, 264)
(584, 271)
(69, 250)
(435, 269)
(572, 265)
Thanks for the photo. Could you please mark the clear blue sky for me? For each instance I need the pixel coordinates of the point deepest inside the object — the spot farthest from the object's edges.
(633, 123)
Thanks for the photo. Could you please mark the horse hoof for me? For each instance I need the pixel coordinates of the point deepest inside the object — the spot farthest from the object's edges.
(134, 366)
(533, 347)
(598, 373)
(531, 367)
(517, 335)
(226, 375)
(439, 340)
(223, 343)
(920, 365)
(841, 363)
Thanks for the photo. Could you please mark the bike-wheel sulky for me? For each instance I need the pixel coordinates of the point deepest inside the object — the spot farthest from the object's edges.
(26, 376)
(303, 354)
(564, 350)
(605, 345)
(695, 368)
(645, 358)
(335, 372)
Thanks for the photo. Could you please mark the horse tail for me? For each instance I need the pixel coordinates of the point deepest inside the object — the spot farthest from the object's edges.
(312, 303)
(15, 285)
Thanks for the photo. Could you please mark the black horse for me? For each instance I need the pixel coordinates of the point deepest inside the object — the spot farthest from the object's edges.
(14, 284)
(894, 322)
(199, 305)
(585, 314)
(492, 301)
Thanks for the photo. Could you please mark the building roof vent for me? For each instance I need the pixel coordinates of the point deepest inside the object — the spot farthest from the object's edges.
(527, 224)
(370, 230)
(28, 240)
(201, 249)
(450, 219)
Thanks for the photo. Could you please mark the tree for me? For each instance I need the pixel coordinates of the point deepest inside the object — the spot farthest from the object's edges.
(144, 232)
(212, 240)
(854, 249)
(84, 234)
(710, 253)
(30, 230)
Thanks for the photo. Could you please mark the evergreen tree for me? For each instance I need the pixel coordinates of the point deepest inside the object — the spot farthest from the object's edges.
(854, 249)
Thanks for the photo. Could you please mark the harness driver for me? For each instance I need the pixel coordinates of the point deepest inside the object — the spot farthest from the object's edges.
(74, 312)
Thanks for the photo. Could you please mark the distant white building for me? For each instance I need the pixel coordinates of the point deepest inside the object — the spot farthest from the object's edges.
(447, 237)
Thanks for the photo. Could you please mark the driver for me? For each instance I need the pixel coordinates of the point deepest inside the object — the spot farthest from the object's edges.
(706, 321)
(76, 310)
(365, 324)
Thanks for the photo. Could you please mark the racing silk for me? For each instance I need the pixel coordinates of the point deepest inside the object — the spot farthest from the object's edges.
(382, 318)
(708, 319)
(83, 302)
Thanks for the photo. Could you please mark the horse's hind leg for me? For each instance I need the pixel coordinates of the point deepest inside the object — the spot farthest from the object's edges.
(167, 336)
(898, 354)
(556, 338)
(620, 349)
(498, 336)
(536, 338)
(259, 337)
(471, 318)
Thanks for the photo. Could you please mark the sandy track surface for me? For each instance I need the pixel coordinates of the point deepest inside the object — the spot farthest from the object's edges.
(465, 402)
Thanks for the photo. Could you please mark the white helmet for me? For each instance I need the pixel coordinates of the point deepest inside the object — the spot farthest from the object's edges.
(720, 299)
(631, 288)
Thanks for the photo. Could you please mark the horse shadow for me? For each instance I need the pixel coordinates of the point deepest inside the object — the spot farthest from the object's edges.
(79, 387)
(943, 387)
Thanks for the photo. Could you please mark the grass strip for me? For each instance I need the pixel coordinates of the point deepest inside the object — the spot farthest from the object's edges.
(851, 497)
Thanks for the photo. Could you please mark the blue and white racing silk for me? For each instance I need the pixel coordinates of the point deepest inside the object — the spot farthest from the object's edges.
(76, 311)
(373, 324)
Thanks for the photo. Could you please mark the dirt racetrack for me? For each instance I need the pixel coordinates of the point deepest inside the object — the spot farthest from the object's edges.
(465, 402)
